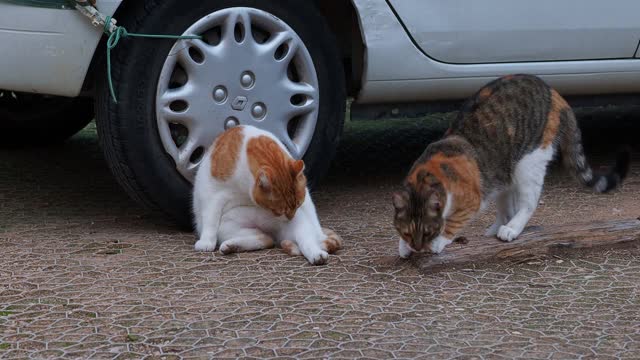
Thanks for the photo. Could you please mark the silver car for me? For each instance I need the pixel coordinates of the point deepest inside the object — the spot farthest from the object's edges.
(286, 66)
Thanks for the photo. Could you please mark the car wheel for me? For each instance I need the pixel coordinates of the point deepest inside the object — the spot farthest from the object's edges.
(271, 64)
(33, 119)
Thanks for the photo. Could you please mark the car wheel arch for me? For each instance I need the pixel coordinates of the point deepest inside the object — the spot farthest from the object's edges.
(342, 18)
(340, 15)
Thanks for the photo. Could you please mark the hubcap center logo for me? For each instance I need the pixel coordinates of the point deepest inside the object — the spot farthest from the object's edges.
(239, 103)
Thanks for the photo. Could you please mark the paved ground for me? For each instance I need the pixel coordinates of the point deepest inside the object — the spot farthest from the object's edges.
(84, 273)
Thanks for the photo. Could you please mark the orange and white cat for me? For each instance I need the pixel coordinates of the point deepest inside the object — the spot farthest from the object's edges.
(249, 193)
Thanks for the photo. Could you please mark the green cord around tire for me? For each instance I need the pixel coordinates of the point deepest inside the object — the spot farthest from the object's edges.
(121, 32)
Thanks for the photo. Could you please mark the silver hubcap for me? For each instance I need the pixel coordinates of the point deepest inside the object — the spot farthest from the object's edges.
(250, 68)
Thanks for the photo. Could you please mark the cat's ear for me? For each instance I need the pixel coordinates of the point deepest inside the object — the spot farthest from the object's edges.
(297, 167)
(400, 199)
(263, 181)
(434, 202)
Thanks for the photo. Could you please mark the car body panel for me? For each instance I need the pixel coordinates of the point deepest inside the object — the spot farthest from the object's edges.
(51, 52)
(395, 70)
(469, 31)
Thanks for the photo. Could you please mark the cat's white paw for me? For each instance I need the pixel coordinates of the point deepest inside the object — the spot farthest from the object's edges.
(319, 257)
(205, 245)
(438, 244)
(403, 249)
(507, 234)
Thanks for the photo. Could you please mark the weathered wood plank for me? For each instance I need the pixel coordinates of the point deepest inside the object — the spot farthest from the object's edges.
(535, 242)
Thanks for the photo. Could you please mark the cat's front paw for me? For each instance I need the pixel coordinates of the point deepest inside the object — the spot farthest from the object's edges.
(507, 234)
(205, 244)
(438, 244)
(403, 249)
(319, 257)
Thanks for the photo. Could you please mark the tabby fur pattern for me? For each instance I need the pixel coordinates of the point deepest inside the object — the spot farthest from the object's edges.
(497, 148)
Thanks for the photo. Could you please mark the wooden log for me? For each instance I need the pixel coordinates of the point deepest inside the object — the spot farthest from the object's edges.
(534, 242)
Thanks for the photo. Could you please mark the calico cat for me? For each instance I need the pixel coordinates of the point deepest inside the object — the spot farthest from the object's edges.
(498, 149)
(250, 193)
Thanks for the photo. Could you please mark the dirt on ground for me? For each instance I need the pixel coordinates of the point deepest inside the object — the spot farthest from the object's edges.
(86, 273)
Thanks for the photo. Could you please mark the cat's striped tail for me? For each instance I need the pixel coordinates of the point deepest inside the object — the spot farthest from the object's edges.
(574, 158)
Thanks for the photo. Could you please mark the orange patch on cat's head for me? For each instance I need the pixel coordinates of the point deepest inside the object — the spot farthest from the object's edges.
(280, 183)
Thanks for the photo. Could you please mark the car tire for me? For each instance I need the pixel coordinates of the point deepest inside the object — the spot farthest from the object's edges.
(129, 132)
(32, 119)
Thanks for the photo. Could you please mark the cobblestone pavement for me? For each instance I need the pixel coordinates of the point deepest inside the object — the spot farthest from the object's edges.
(84, 273)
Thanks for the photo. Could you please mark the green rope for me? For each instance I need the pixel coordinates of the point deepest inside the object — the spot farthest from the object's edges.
(121, 32)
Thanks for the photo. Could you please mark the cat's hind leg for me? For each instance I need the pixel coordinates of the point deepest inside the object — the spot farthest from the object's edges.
(505, 210)
(528, 179)
(290, 248)
(246, 240)
(333, 242)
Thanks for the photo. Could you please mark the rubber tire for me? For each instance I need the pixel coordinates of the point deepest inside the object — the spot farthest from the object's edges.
(42, 120)
(128, 131)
